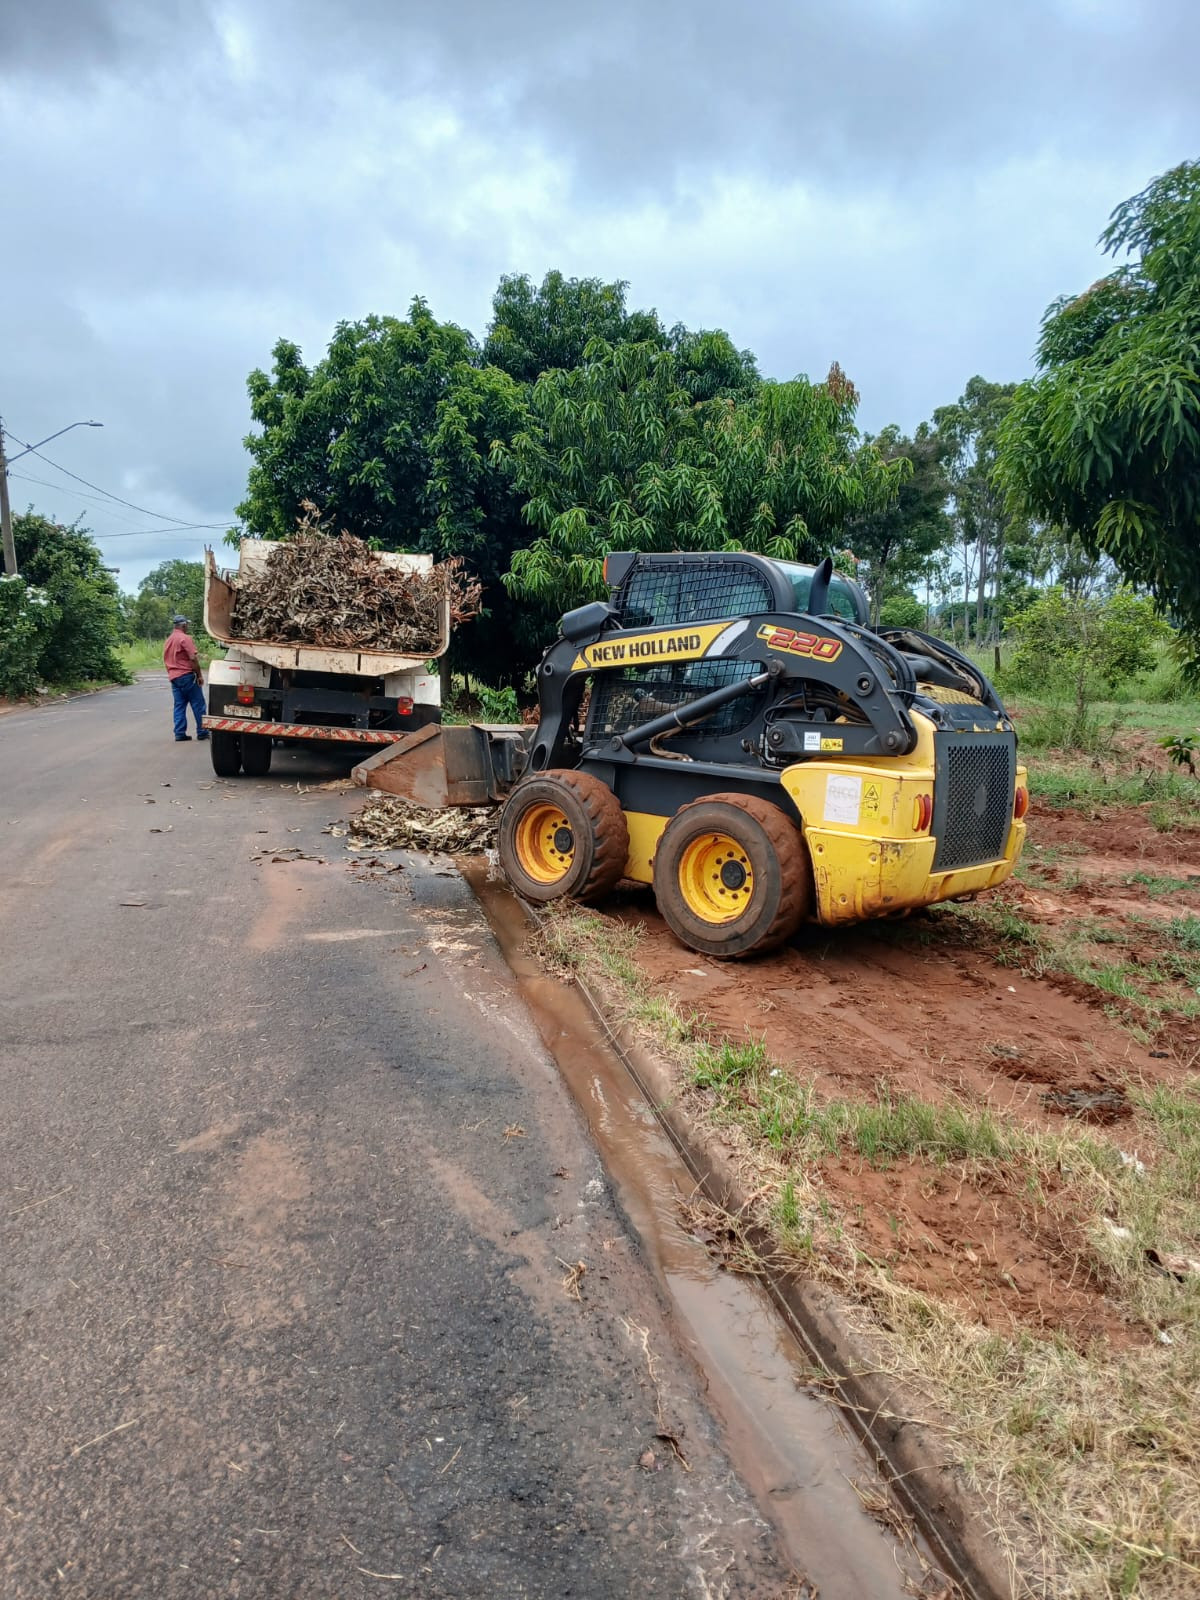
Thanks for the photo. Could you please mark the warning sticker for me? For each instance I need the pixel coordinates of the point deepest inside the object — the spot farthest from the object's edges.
(812, 739)
(871, 798)
(843, 798)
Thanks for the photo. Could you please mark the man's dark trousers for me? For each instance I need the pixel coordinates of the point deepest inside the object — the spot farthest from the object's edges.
(187, 692)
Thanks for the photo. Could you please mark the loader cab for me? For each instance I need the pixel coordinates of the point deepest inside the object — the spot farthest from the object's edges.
(844, 598)
(655, 591)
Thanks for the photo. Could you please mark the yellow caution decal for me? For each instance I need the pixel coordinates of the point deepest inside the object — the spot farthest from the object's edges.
(658, 644)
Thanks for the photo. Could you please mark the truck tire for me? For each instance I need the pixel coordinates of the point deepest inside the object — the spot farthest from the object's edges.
(226, 752)
(256, 755)
(563, 835)
(732, 876)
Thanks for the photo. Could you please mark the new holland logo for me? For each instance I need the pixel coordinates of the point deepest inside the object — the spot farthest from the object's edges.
(631, 649)
(814, 645)
(674, 644)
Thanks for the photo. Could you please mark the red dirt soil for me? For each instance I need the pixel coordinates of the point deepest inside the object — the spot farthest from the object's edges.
(923, 1007)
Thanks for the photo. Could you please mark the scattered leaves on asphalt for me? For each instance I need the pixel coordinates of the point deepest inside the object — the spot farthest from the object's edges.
(392, 824)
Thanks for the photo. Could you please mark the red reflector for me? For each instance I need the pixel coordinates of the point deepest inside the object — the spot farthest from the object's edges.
(1020, 803)
(404, 705)
(245, 694)
(922, 812)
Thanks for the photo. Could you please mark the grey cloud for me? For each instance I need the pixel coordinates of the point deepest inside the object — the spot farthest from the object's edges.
(900, 186)
(69, 39)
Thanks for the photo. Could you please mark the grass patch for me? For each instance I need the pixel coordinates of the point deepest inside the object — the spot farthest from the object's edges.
(146, 655)
(1082, 785)
(1094, 1452)
(1157, 887)
(1150, 992)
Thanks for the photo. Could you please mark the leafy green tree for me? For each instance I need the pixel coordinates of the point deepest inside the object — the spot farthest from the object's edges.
(1083, 642)
(352, 433)
(81, 642)
(984, 522)
(171, 587)
(390, 435)
(618, 455)
(896, 542)
(1105, 440)
(536, 329)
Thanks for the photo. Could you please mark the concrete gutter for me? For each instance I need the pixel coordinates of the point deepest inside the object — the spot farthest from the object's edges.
(909, 1455)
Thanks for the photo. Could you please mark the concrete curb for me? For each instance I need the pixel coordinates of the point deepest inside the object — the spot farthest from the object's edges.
(908, 1454)
(47, 702)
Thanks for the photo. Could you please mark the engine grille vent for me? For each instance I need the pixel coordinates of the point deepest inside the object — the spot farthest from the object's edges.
(973, 798)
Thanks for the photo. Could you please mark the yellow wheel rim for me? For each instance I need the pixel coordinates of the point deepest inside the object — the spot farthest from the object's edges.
(716, 878)
(544, 844)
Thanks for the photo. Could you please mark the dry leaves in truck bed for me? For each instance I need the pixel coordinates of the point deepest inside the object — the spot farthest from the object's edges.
(390, 824)
(334, 593)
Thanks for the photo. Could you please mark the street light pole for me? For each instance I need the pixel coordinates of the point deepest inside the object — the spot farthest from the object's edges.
(6, 533)
(10, 548)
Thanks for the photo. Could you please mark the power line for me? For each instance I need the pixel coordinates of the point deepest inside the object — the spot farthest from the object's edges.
(145, 510)
(46, 484)
(159, 533)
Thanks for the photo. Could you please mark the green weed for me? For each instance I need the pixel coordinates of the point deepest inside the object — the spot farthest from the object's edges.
(718, 1066)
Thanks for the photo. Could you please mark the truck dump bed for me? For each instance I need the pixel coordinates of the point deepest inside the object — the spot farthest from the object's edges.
(219, 592)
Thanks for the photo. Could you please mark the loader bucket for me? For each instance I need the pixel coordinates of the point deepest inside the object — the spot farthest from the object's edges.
(441, 766)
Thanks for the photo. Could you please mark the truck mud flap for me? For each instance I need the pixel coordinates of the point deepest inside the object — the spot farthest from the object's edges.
(439, 766)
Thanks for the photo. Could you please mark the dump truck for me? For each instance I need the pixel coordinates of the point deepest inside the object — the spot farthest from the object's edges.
(264, 691)
(732, 731)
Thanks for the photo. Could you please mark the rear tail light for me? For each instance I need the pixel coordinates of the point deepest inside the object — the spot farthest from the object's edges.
(1020, 803)
(922, 813)
(404, 705)
(245, 694)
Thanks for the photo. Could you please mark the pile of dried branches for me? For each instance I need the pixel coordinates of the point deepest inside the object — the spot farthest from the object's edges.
(389, 824)
(335, 593)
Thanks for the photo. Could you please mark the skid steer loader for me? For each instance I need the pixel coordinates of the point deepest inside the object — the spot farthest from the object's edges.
(731, 730)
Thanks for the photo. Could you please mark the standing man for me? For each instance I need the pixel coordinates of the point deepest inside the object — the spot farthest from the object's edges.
(183, 669)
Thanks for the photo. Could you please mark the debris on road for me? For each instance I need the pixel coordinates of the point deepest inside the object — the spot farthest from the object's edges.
(573, 1278)
(392, 824)
(333, 592)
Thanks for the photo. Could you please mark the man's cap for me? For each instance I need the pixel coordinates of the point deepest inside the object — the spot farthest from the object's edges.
(178, 618)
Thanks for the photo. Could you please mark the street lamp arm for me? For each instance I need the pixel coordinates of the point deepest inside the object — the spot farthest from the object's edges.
(29, 448)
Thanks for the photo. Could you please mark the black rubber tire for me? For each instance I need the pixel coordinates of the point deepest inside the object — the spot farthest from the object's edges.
(783, 879)
(256, 755)
(597, 822)
(225, 750)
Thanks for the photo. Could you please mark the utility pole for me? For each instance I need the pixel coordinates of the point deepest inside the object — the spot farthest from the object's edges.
(10, 548)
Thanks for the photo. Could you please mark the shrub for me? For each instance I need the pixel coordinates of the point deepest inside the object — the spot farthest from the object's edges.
(1076, 646)
(902, 611)
(79, 644)
(26, 618)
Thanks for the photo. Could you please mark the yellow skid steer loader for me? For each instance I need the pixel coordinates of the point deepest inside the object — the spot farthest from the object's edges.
(731, 730)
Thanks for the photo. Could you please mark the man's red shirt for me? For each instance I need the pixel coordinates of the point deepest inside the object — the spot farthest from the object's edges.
(179, 654)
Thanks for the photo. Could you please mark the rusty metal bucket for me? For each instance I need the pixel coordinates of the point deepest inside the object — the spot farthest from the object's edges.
(441, 766)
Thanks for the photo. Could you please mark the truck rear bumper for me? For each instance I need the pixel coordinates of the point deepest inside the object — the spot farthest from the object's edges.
(304, 730)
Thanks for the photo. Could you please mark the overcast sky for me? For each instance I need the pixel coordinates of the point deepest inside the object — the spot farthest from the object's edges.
(898, 185)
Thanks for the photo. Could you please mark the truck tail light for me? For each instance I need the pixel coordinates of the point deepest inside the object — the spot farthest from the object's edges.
(1020, 803)
(404, 705)
(922, 813)
(245, 694)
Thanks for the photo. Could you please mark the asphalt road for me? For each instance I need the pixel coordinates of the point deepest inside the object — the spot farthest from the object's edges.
(288, 1193)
